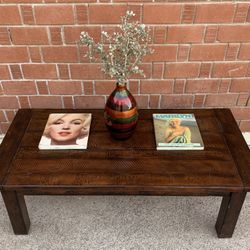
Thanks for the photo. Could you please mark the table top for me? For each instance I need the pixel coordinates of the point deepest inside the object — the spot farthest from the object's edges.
(133, 166)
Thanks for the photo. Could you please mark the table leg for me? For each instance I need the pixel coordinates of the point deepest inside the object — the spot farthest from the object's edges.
(17, 210)
(229, 213)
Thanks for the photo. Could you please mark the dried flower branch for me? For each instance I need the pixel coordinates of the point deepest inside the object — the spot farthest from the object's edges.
(124, 50)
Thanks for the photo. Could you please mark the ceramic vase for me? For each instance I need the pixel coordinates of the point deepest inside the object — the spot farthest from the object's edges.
(121, 114)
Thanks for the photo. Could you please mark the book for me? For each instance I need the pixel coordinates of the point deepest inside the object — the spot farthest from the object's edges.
(177, 132)
(66, 131)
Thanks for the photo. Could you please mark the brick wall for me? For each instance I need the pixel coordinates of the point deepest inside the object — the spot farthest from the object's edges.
(201, 59)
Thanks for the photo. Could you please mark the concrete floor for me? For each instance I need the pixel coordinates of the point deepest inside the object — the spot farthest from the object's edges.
(123, 222)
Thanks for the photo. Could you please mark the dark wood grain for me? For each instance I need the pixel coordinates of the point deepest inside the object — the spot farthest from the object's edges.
(229, 213)
(17, 211)
(135, 162)
(11, 141)
(236, 144)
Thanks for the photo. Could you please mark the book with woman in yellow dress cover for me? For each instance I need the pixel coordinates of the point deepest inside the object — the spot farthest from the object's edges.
(177, 132)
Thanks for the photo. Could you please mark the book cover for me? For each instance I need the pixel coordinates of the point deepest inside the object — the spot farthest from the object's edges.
(177, 132)
(66, 131)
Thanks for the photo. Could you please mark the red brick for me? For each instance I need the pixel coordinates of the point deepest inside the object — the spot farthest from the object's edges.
(162, 13)
(72, 34)
(241, 12)
(160, 34)
(54, 14)
(234, 33)
(137, 9)
(4, 127)
(86, 71)
(185, 34)
(232, 52)
(4, 72)
(179, 86)
(10, 115)
(65, 87)
(176, 101)
(242, 99)
(183, 53)
(156, 86)
(221, 100)
(22, 1)
(8, 102)
(82, 14)
(147, 69)
(125, 1)
(241, 113)
(214, 13)
(179, 70)
(205, 69)
(202, 86)
(39, 71)
(89, 101)
(24, 102)
(9, 15)
(35, 54)
(45, 101)
(188, 13)
(154, 101)
(240, 85)
(19, 88)
(211, 34)
(104, 87)
(142, 101)
(4, 36)
(2, 117)
(13, 54)
(158, 69)
(134, 87)
(63, 71)
(83, 50)
(42, 87)
(27, 14)
(245, 126)
(74, 1)
(106, 14)
(199, 101)
(55, 35)
(248, 15)
(230, 69)
(68, 102)
(162, 53)
(224, 85)
(207, 52)
(32, 36)
(88, 87)
(63, 54)
(244, 53)
(16, 71)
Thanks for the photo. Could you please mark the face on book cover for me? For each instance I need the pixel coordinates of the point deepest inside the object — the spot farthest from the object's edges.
(66, 129)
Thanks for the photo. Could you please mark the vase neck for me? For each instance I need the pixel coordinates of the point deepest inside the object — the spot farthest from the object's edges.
(121, 86)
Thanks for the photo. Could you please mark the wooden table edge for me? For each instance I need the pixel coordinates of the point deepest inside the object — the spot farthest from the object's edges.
(12, 140)
(236, 142)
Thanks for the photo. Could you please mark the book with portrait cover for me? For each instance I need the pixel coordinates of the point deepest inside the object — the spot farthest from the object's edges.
(66, 131)
(177, 132)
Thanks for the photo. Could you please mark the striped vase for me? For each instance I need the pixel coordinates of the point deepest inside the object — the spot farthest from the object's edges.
(121, 113)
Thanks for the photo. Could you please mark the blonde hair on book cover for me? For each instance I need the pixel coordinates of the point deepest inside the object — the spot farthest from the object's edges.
(86, 118)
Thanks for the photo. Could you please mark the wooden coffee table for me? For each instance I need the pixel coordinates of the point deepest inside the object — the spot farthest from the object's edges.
(131, 167)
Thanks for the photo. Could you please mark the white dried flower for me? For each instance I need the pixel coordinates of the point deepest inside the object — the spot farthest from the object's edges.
(125, 49)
